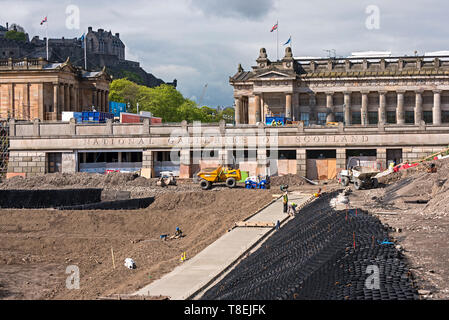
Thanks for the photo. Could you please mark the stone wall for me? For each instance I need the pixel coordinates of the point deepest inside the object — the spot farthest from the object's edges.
(26, 163)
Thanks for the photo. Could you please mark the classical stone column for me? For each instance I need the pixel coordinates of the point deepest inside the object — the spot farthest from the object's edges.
(436, 112)
(72, 98)
(418, 108)
(26, 102)
(11, 103)
(97, 102)
(56, 110)
(330, 107)
(100, 101)
(62, 98)
(347, 102)
(262, 109)
(40, 104)
(257, 108)
(238, 107)
(400, 114)
(103, 101)
(77, 99)
(288, 105)
(382, 107)
(106, 103)
(364, 110)
(66, 98)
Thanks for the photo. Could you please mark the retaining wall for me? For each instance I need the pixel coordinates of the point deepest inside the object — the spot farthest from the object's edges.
(36, 199)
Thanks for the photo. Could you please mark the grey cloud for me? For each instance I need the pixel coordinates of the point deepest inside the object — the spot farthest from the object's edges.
(252, 9)
(188, 40)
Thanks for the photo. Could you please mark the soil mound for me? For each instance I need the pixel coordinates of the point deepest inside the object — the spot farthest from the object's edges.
(292, 180)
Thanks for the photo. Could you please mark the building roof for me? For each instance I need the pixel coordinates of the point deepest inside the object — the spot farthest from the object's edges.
(358, 65)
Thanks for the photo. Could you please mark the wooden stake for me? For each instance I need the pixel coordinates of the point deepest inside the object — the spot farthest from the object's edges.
(113, 260)
(353, 236)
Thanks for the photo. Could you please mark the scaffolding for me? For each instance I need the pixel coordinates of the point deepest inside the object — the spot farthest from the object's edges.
(4, 148)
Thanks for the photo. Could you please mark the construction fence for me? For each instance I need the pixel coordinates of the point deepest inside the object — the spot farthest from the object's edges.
(4, 148)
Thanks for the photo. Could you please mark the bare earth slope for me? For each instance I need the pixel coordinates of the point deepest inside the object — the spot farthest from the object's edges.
(36, 246)
(417, 202)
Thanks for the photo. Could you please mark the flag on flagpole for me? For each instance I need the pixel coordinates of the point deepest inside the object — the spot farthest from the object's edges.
(82, 40)
(288, 41)
(275, 27)
(44, 20)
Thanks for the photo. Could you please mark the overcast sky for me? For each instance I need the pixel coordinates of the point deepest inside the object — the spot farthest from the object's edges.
(203, 41)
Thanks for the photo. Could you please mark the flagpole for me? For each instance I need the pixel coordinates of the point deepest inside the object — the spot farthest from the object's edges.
(277, 36)
(85, 53)
(46, 33)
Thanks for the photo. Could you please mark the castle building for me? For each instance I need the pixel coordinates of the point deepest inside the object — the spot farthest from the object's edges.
(104, 42)
(36, 89)
(358, 91)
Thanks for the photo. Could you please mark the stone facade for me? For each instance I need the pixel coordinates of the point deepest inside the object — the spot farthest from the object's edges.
(33, 143)
(34, 88)
(356, 91)
(26, 163)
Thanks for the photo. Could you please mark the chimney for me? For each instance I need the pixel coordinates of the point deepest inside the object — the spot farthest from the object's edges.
(117, 35)
(89, 29)
(100, 30)
(7, 26)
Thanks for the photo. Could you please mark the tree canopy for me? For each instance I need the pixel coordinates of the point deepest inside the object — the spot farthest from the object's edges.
(165, 102)
(15, 35)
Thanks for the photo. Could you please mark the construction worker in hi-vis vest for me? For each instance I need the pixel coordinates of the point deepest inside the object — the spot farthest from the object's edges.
(285, 202)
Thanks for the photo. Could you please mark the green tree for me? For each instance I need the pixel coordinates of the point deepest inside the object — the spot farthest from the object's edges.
(123, 90)
(15, 35)
(228, 114)
(190, 112)
(164, 101)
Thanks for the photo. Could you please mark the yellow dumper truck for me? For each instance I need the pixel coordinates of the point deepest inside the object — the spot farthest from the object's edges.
(220, 174)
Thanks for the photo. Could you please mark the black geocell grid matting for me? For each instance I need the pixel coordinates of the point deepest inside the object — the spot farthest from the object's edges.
(312, 257)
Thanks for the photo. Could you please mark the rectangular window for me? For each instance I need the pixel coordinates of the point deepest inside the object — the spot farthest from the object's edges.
(356, 118)
(54, 161)
(391, 116)
(427, 117)
(322, 118)
(305, 118)
(445, 116)
(339, 117)
(409, 116)
(373, 117)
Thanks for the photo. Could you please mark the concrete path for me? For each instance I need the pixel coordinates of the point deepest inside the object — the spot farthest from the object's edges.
(191, 276)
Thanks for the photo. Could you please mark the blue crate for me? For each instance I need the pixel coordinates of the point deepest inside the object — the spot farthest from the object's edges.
(116, 108)
(96, 117)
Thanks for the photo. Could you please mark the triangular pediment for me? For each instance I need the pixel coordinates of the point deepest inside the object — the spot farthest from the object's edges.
(273, 74)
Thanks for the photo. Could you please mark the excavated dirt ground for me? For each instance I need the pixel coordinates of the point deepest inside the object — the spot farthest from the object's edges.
(138, 186)
(424, 227)
(36, 246)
